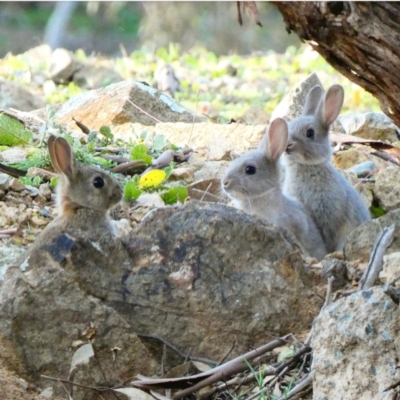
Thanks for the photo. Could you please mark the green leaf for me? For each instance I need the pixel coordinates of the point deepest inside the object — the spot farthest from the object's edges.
(106, 132)
(53, 182)
(174, 147)
(175, 194)
(377, 211)
(139, 152)
(13, 132)
(131, 191)
(168, 170)
(159, 142)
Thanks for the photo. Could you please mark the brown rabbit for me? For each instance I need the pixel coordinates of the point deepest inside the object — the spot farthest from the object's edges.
(85, 194)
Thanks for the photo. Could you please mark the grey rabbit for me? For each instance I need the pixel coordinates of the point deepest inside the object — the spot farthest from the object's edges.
(311, 177)
(253, 182)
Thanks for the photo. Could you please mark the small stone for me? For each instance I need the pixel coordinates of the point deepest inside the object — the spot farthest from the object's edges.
(2, 193)
(4, 179)
(14, 155)
(38, 221)
(363, 170)
(32, 190)
(63, 66)
(15, 185)
(182, 174)
(387, 188)
(47, 393)
(33, 172)
(45, 191)
(391, 268)
(150, 200)
(22, 383)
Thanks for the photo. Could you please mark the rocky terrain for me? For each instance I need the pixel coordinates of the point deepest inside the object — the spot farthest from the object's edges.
(195, 272)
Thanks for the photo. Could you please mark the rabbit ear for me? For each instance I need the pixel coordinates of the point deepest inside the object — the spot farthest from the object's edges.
(61, 156)
(312, 100)
(278, 138)
(332, 105)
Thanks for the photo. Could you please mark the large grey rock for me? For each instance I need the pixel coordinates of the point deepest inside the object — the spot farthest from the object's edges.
(359, 243)
(371, 125)
(387, 188)
(112, 106)
(356, 346)
(202, 276)
(44, 311)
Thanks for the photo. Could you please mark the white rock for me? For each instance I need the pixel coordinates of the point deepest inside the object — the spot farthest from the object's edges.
(387, 188)
(372, 125)
(391, 268)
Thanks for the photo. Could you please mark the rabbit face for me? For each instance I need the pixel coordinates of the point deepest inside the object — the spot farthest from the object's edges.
(308, 142)
(308, 134)
(250, 176)
(90, 189)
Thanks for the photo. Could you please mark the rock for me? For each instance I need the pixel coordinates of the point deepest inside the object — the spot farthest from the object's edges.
(363, 170)
(207, 190)
(391, 268)
(238, 137)
(9, 252)
(211, 170)
(291, 106)
(359, 243)
(13, 155)
(387, 188)
(150, 200)
(95, 76)
(4, 181)
(182, 174)
(371, 125)
(112, 105)
(356, 346)
(45, 191)
(12, 95)
(362, 188)
(15, 185)
(63, 66)
(38, 333)
(201, 276)
(345, 159)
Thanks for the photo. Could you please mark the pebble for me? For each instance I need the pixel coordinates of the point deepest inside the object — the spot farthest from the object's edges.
(16, 185)
(4, 178)
(363, 169)
(45, 191)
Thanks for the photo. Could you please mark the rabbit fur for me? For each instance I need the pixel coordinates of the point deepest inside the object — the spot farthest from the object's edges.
(85, 194)
(253, 182)
(311, 177)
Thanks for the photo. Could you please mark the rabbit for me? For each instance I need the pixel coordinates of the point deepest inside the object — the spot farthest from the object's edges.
(84, 196)
(311, 177)
(253, 182)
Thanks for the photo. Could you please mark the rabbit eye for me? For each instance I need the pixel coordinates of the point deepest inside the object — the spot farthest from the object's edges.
(310, 133)
(250, 170)
(98, 182)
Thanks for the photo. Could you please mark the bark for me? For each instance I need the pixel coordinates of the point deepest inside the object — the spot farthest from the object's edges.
(361, 40)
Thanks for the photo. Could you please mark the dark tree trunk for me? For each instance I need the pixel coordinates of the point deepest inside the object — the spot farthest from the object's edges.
(361, 40)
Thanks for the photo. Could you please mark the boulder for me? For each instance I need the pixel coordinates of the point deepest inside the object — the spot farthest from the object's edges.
(63, 66)
(44, 313)
(356, 345)
(115, 105)
(371, 125)
(387, 188)
(13, 95)
(291, 106)
(201, 276)
(359, 243)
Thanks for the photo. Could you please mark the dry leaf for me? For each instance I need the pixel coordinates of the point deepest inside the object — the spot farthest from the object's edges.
(82, 356)
(202, 367)
(252, 11)
(134, 394)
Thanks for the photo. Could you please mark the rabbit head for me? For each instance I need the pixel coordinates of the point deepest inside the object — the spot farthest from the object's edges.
(308, 134)
(81, 186)
(255, 173)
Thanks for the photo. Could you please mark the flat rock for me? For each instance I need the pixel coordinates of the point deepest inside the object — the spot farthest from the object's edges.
(387, 188)
(13, 95)
(371, 125)
(355, 348)
(112, 105)
(220, 137)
